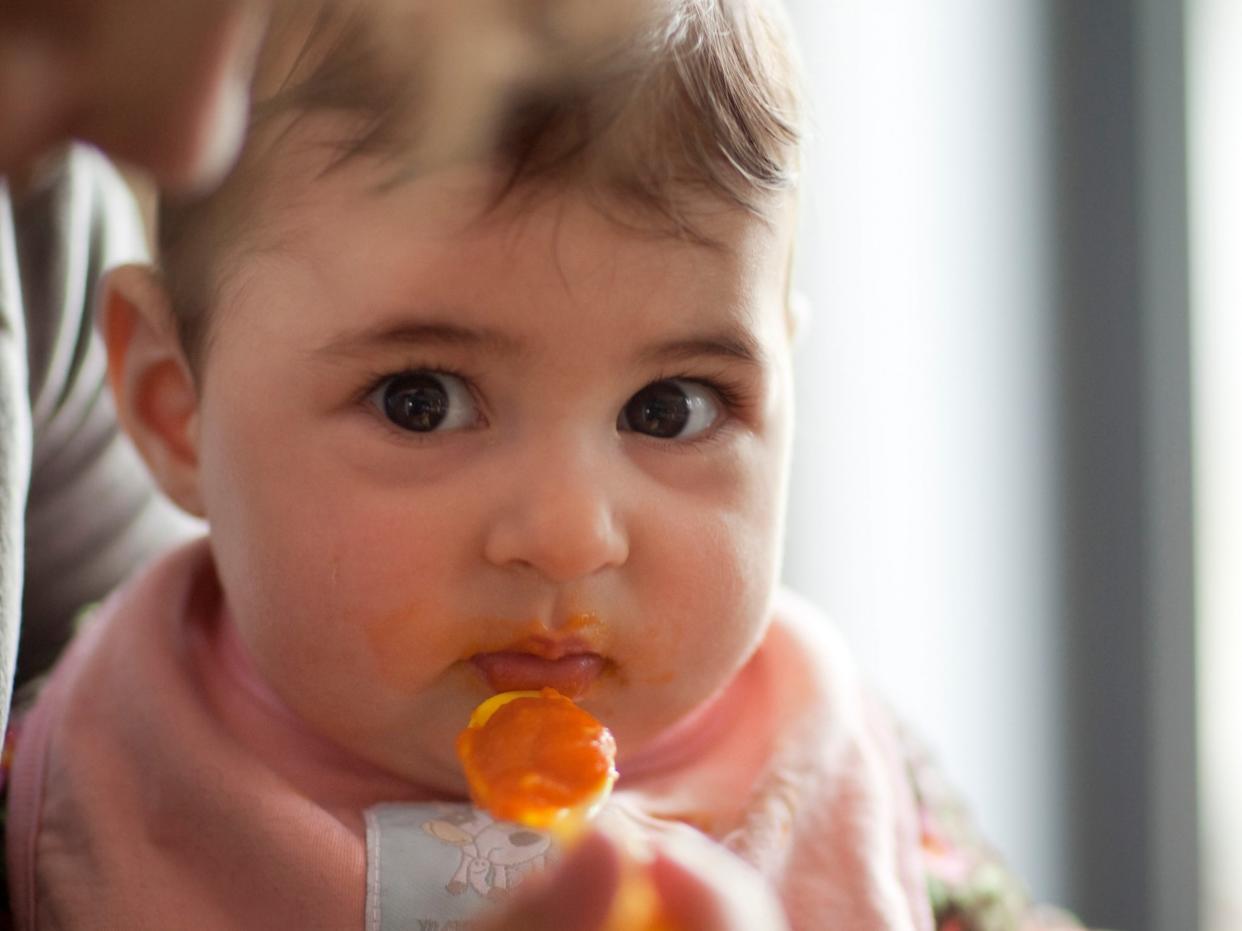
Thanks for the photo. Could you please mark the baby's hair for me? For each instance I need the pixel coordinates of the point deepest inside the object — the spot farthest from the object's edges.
(642, 109)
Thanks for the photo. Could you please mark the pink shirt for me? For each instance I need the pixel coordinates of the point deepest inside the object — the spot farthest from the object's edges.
(159, 784)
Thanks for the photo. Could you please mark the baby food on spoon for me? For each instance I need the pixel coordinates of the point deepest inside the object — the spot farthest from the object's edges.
(537, 759)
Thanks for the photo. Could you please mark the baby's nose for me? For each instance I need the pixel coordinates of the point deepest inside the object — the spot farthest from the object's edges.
(559, 516)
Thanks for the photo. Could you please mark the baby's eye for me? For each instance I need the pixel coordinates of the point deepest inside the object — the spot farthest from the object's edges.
(672, 408)
(425, 401)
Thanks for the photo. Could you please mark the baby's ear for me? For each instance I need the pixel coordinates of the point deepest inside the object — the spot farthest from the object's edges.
(151, 379)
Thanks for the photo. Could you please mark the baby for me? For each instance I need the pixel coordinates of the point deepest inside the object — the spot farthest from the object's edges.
(514, 422)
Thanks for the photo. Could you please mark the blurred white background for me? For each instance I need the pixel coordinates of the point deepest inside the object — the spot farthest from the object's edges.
(999, 490)
(922, 490)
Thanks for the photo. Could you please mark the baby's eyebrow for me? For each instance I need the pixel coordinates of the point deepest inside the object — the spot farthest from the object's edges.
(738, 345)
(409, 332)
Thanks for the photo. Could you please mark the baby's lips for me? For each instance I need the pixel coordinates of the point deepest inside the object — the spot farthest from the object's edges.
(515, 670)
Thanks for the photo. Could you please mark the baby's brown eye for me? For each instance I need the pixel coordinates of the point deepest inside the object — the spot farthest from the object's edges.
(422, 402)
(674, 408)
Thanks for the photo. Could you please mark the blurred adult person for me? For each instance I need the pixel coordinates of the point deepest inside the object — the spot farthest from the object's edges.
(164, 87)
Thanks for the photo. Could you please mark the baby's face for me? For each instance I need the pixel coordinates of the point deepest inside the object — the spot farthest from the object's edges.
(444, 456)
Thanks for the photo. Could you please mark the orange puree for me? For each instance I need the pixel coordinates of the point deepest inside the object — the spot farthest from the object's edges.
(536, 758)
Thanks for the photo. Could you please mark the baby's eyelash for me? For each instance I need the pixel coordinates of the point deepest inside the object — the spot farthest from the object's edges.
(375, 379)
(734, 394)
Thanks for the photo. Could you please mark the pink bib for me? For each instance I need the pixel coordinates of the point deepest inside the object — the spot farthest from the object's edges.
(158, 784)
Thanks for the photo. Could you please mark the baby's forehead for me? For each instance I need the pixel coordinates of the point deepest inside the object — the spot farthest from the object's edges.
(548, 280)
(363, 203)
(310, 161)
(457, 240)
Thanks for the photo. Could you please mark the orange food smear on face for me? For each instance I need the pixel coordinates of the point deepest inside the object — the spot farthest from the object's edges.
(537, 759)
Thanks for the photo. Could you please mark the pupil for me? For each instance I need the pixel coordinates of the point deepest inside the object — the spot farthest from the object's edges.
(416, 402)
(660, 410)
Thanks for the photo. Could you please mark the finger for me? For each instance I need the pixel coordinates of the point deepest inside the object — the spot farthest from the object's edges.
(721, 894)
(575, 896)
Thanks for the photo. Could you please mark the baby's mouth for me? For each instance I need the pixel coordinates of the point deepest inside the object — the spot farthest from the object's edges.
(571, 674)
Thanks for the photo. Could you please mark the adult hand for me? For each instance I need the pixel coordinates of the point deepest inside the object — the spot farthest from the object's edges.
(699, 886)
(163, 85)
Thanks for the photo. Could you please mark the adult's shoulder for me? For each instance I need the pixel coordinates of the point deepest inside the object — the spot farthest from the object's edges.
(92, 513)
(74, 218)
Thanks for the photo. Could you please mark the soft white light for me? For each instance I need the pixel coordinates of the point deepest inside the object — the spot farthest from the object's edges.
(1215, 55)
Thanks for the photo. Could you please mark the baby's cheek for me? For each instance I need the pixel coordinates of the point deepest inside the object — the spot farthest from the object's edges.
(708, 610)
(398, 644)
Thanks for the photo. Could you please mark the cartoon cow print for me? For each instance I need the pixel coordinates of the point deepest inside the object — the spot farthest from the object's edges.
(495, 855)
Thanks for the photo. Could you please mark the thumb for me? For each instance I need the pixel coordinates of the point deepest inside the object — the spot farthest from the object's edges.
(575, 896)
